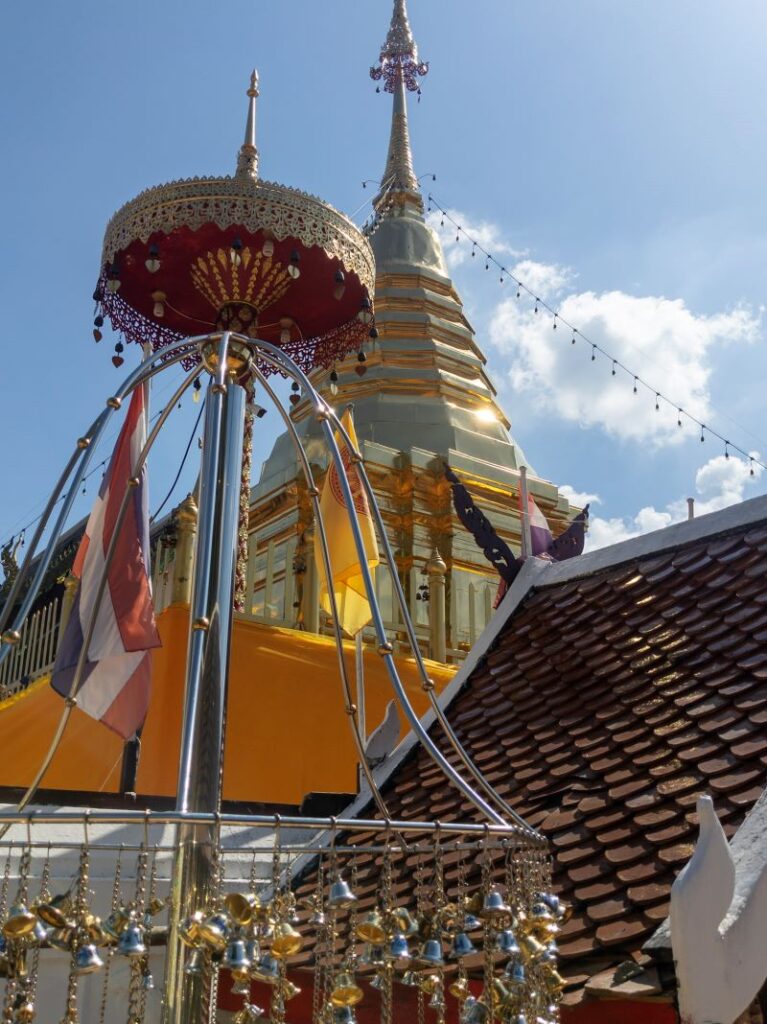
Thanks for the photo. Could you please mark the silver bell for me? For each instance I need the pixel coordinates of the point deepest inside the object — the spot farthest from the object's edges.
(474, 1011)
(235, 958)
(431, 954)
(462, 946)
(267, 969)
(131, 942)
(506, 943)
(398, 950)
(195, 964)
(340, 896)
(87, 960)
(147, 981)
(515, 974)
(471, 923)
(344, 1015)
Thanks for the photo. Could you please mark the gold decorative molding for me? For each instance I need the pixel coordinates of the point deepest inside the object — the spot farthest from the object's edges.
(253, 205)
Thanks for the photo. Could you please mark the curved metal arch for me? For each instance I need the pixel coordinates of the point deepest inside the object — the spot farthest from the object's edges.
(148, 369)
(328, 569)
(456, 744)
(70, 701)
(276, 357)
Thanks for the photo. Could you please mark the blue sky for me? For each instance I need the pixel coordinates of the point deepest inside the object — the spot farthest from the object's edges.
(614, 150)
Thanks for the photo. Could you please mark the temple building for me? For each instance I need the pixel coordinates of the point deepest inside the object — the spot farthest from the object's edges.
(425, 399)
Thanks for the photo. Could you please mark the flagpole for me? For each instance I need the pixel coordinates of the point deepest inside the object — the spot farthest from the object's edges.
(524, 514)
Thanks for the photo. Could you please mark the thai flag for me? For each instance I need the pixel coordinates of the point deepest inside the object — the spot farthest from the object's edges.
(540, 534)
(115, 684)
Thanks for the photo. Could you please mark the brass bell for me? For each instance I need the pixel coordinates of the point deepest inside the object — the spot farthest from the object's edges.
(506, 943)
(371, 929)
(61, 938)
(437, 1001)
(286, 940)
(448, 917)
(57, 911)
(405, 921)
(474, 1011)
(117, 922)
(431, 954)
(195, 964)
(541, 920)
(530, 948)
(17, 962)
(131, 943)
(215, 931)
(235, 959)
(248, 1014)
(554, 979)
(340, 895)
(462, 946)
(429, 983)
(95, 931)
(155, 906)
(494, 909)
(20, 922)
(346, 991)
(515, 974)
(499, 994)
(86, 959)
(266, 969)
(25, 1013)
(289, 990)
(189, 930)
(242, 906)
(398, 951)
(460, 987)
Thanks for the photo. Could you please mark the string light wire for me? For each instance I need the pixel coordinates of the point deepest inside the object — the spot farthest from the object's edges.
(577, 335)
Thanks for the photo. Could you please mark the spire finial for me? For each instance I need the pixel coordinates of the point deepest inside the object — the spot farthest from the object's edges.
(247, 158)
(399, 68)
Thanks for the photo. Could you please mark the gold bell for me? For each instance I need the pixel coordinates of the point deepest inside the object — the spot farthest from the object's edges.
(346, 991)
(242, 906)
(215, 931)
(542, 921)
(61, 938)
(20, 922)
(289, 990)
(95, 930)
(155, 906)
(267, 969)
(340, 895)
(86, 960)
(57, 911)
(371, 929)
(429, 983)
(25, 1014)
(460, 988)
(190, 929)
(530, 948)
(116, 922)
(286, 940)
(248, 1014)
(499, 994)
(405, 921)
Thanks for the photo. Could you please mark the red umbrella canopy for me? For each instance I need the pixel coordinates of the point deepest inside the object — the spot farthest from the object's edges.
(239, 254)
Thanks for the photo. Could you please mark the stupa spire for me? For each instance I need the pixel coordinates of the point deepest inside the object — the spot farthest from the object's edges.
(247, 158)
(399, 68)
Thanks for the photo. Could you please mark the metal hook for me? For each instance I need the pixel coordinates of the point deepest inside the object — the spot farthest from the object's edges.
(146, 829)
(86, 822)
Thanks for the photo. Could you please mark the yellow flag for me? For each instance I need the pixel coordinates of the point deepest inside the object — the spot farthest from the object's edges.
(351, 598)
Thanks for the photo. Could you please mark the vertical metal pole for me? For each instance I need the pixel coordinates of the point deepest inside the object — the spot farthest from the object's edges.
(187, 999)
(524, 514)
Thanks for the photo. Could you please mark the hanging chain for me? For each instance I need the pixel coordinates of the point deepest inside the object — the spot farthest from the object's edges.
(318, 950)
(110, 950)
(387, 904)
(488, 933)
(6, 884)
(351, 950)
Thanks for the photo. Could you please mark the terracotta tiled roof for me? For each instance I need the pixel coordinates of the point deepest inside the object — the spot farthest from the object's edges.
(606, 704)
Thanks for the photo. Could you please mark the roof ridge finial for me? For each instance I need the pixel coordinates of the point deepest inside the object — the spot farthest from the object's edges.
(247, 158)
(399, 68)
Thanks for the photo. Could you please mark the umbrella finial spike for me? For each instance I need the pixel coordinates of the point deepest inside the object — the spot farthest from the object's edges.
(247, 158)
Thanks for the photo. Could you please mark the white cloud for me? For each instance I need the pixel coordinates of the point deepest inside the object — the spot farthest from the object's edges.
(659, 339)
(543, 279)
(485, 233)
(579, 498)
(720, 482)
